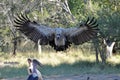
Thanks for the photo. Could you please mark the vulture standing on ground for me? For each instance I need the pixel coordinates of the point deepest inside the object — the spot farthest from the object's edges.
(59, 38)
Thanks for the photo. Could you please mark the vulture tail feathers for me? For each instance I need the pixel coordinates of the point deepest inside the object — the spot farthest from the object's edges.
(60, 48)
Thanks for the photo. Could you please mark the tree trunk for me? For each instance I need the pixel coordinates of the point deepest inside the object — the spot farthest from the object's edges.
(41, 7)
(96, 44)
(9, 13)
(67, 9)
(14, 46)
(100, 49)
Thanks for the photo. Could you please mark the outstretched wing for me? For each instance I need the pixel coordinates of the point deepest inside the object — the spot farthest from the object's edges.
(33, 30)
(83, 33)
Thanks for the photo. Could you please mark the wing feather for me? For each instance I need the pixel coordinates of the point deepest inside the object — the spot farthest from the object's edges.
(33, 30)
(83, 33)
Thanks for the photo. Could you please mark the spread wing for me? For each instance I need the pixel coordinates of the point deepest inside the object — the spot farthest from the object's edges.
(33, 30)
(83, 33)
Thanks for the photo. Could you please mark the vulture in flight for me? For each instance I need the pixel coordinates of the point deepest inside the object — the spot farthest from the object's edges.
(59, 38)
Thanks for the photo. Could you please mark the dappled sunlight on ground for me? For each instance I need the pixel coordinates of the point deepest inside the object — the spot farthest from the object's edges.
(60, 63)
(114, 59)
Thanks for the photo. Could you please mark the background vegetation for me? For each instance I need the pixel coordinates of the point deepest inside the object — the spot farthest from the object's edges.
(63, 13)
(56, 13)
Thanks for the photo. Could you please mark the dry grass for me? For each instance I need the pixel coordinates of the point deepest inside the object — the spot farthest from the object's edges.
(60, 63)
(52, 58)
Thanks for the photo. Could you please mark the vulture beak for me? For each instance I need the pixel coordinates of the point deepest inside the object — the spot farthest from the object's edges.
(58, 36)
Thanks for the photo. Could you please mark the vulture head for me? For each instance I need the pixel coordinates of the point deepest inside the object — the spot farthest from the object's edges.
(59, 38)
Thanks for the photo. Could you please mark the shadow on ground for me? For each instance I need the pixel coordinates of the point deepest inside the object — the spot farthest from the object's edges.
(65, 71)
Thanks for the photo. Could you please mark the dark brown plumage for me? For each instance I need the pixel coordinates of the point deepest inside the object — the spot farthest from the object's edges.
(59, 38)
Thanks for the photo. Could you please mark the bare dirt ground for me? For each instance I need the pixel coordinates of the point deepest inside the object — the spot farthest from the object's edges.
(77, 77)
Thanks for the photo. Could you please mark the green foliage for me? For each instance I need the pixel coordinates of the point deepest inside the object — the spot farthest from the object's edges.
(107, 12)
(110, 24)
(83, 9)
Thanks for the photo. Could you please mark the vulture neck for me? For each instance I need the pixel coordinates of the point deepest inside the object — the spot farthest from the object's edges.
(60, 42)
(59, 37)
